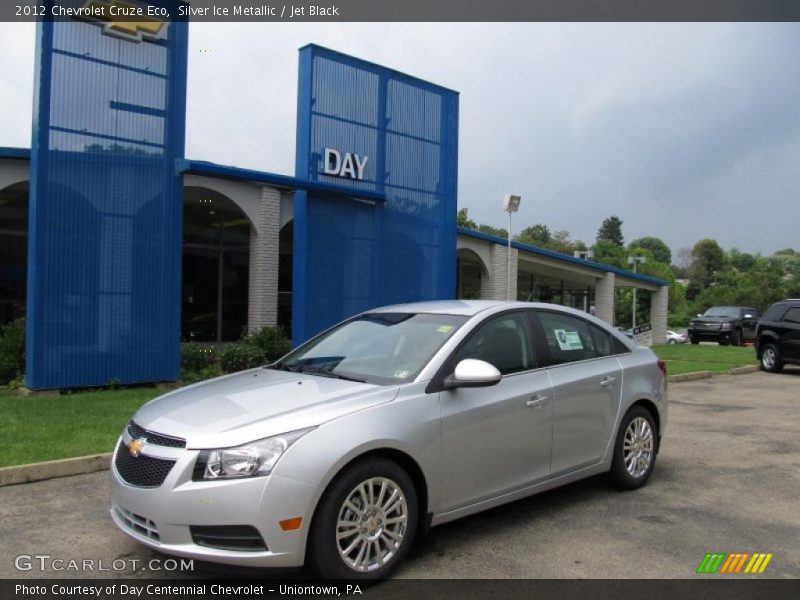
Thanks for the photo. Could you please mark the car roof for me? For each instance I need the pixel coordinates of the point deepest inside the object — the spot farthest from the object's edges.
(467, 308)
(450, 307)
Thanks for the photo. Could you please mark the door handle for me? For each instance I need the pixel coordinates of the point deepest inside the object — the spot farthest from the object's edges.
(537, 401)
(608, 381)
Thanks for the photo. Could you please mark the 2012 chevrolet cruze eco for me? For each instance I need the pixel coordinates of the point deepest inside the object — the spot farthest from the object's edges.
(397, 419)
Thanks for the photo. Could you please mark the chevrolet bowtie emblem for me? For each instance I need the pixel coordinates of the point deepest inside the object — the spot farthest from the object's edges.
(136, 446)
(125, 20)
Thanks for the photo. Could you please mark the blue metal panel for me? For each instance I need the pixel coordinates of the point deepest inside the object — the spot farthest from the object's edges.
(106, 206)
(354, 254)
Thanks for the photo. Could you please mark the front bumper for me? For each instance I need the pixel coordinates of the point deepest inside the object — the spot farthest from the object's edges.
(710, 335)
(160, 518)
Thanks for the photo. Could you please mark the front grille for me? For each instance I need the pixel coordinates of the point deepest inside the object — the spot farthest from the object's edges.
(153, 438)
(242, 538)
(139, 524)
(141, 471)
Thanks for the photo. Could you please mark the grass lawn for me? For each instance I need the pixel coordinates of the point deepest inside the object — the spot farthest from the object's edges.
(685, 358)
(46, 428)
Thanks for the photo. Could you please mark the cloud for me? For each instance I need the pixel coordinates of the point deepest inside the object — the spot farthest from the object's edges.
(685, 131)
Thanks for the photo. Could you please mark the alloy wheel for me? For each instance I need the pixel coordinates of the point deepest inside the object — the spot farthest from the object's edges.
(638, 447)
(372, 523)
(768, 358)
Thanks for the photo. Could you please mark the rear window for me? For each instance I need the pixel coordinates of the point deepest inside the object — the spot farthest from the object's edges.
(774, 312)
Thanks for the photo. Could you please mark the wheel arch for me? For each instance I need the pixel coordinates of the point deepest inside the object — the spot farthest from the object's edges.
(408, 463)
(651, 407)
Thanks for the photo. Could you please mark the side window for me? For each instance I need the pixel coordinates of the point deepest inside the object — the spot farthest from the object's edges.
(571, 339)
(502, 341)
(602, 341)
(792, 315)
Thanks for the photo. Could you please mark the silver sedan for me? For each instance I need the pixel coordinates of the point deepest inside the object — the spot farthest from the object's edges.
(396, 420)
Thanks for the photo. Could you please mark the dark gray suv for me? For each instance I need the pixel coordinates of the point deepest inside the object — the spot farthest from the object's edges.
(732, 325)
(778, 336)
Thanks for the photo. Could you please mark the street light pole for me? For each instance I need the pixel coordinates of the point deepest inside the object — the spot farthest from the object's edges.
(510, 205)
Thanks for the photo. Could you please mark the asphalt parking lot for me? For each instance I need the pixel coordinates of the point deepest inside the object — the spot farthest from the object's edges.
(727, 480)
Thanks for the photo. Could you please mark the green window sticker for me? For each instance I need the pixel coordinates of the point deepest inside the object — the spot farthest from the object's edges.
(568, 340)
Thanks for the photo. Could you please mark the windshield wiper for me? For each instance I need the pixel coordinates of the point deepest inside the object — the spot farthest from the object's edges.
(324, 373)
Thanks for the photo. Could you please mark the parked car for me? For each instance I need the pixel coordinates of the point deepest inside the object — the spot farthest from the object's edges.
(732, 325)
(778, 336)
(676, 338)
(393, 421)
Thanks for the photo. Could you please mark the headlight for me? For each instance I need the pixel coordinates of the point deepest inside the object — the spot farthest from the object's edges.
(725, 326)
(250, 460)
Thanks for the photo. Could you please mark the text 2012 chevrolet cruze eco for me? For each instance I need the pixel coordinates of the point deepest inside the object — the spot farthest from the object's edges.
(392, 421)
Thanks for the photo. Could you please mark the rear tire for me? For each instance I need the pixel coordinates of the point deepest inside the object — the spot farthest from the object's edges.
(771, 359)
(635, 449)
(673, 342)
(694, 341)
(365, 522)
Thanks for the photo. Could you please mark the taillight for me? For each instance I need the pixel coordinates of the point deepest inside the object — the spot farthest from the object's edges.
(662, 366)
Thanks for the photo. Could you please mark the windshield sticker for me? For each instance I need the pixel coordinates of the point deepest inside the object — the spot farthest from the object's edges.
(568, 340)
(444, 328)
(401, 374)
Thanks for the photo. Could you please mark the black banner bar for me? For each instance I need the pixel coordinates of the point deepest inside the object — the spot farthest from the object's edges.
(426, 10)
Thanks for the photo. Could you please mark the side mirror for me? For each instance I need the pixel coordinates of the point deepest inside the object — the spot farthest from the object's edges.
(471, 372)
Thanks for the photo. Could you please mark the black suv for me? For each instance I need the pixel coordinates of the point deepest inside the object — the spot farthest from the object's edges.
(778, 336)
(724, 324)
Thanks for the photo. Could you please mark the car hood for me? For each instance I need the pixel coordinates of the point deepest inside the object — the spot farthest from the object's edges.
(255, 404)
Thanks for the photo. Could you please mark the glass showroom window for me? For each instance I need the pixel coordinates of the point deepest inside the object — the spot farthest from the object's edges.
(216, 259)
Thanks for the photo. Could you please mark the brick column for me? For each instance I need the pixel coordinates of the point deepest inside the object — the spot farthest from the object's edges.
(495, 286)
(604, 296)
(264, 238)
(659, 305)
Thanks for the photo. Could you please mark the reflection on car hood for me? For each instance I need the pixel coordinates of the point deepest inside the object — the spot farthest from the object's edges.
(255, 404)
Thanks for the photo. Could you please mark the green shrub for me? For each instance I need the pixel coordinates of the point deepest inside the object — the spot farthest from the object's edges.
(271, 341)
(189, 377)
(12, 351)
(197, 357)
(240, 356)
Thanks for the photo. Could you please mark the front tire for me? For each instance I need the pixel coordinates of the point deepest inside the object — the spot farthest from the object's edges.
(365, 522)
(736, 338)
(771, 359)
(635, 449)
(694, 341)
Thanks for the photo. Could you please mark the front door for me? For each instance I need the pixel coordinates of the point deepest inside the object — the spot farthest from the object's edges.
(497, 439)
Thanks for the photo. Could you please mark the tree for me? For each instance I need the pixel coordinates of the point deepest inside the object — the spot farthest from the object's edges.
(495, 231)
(607, 252)
(463, 220)
(538, 235)
(611, 230)
(707, 260)
(656, 246)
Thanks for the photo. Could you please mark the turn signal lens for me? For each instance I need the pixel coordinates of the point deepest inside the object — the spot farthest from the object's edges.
(291, 524)
(662, 366)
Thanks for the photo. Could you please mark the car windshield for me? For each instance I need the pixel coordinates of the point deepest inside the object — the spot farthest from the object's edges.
(380, 348)
(722, 311)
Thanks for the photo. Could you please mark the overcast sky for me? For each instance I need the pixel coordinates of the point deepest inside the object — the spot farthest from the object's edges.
(684, 131)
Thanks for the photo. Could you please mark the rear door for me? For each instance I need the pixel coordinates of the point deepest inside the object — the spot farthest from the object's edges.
(587, 383)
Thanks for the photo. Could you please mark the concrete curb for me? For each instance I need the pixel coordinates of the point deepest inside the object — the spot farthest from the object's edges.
(54, 468)
(690, 376)
(743, 370)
